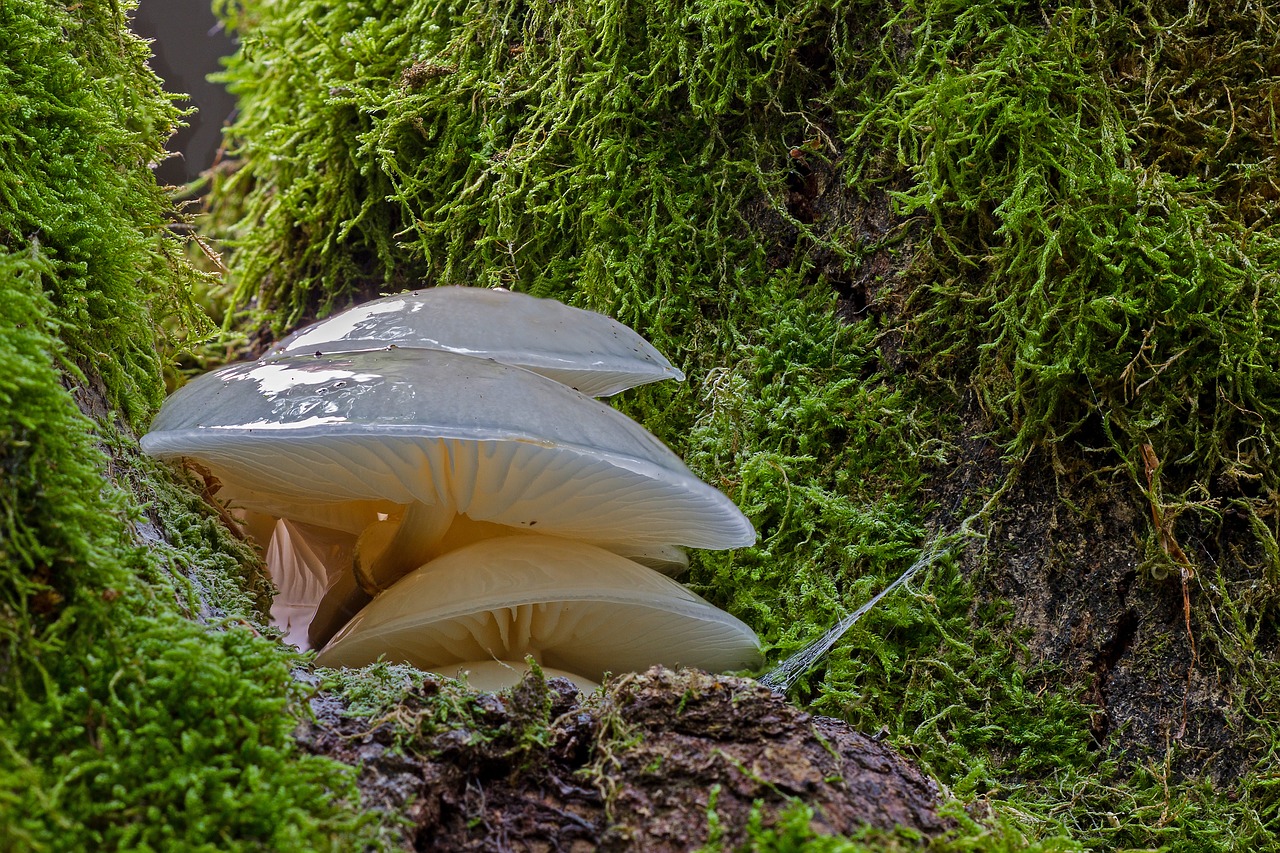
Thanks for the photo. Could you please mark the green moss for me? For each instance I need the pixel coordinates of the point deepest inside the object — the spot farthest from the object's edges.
(451, 142)
(516, 733)
(123, 724)
(794, 829)
(221, 574)
(176, 737)
(82, 118)
(1083, 245)
(374, 690)
(1076, 283)
(63, 543)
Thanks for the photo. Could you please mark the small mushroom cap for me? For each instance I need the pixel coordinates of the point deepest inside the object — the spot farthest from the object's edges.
(466, 435)
(582, 349)
(572, 606)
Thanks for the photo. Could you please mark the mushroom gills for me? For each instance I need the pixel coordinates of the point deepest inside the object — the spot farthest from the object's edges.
(303, 563)
(311, 568)
(389, 549)
(573, 606)
(351, 587)
(309, 619)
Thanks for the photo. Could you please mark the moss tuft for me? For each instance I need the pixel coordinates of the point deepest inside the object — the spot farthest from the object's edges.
(83, 119)
(174, 737)
(63, 543)
(123, 724)
(1073, 279)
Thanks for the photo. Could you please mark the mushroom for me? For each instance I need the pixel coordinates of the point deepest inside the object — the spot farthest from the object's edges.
(569, 605)
(437, 435)
(587, 351)
(421, 451)
(413, 478)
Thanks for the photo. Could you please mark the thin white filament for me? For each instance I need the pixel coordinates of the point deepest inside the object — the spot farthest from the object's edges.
(782, 677)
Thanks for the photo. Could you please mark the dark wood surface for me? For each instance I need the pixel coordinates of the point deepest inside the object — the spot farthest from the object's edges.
(187, 43)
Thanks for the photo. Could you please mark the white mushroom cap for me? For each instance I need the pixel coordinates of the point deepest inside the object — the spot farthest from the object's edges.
(571, 606)
(582, 349)
(349, 592)
(460, 434)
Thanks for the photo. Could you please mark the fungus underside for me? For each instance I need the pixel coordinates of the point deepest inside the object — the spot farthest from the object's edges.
(1051, 212)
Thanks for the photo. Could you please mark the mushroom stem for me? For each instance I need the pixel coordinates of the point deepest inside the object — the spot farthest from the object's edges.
(303, 562)
(258, 527)
(388, 550)
(341, 602)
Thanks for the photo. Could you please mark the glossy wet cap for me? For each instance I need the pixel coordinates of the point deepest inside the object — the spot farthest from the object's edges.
(467, 435)
(587, 351)
(572, 606)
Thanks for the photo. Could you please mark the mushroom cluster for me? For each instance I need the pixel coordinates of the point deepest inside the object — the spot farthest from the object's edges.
(432, 482)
